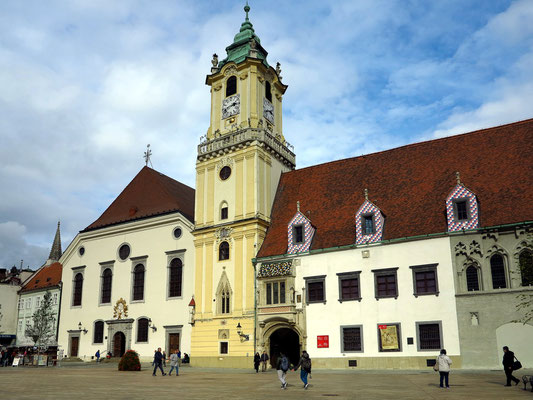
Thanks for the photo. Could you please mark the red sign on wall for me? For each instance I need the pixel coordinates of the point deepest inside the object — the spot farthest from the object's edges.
(382, 326)
(322, 341)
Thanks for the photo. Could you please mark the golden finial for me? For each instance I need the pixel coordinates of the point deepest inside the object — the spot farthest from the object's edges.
(298, 206)
(458, 177)
(366, 194)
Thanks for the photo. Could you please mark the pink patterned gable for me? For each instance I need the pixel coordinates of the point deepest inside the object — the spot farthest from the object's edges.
(461, 192)
(368, 209)
(308, 231)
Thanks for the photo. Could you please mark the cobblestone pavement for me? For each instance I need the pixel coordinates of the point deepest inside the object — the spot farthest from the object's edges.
(105, 382)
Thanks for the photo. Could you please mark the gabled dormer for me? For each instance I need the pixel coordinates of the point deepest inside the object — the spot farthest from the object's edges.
(299, 233)
(369, 222)
(462, 210)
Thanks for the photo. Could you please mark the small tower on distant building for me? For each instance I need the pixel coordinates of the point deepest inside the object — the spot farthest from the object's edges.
(55, 252)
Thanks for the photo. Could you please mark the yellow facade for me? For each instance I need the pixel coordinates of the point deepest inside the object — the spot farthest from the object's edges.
(253, 148)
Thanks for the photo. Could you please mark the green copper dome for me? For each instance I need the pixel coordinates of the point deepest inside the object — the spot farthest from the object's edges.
(245, 44)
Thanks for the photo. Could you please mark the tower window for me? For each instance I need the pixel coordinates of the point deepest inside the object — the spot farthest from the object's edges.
(231, 86)
(368, 224)
(225, 173)
(461, 211)
(225, 302)
(298, 234)
(268, 91)
(223, 251)
(224, 213)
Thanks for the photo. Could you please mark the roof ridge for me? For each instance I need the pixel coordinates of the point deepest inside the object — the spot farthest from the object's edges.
(415, 144)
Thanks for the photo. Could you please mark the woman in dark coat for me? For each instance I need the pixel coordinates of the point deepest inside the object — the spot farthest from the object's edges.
(257, 361)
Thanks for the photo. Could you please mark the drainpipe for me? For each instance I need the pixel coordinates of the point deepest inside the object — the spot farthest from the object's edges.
(60, 285)
(255, 307)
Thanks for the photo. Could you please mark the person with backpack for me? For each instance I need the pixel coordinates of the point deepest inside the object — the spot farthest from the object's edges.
(305, 364)
(282, 366)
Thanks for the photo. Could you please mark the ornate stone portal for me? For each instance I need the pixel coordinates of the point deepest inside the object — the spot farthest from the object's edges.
(119, 325)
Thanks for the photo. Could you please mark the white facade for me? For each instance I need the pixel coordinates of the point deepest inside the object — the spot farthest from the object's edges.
(408, 310)
(8, 309)
(28, 303)
(152, 244)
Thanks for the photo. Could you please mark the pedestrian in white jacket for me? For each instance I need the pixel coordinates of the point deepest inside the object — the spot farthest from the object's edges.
(444, 362)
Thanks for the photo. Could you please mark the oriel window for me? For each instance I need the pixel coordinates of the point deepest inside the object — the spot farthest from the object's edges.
(231, 86)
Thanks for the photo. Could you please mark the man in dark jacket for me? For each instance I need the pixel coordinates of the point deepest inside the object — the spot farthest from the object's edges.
(264, 359)
(508, 359)
(158, 361)
(282, 366)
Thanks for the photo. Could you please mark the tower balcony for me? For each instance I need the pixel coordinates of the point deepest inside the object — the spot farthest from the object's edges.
(242, 138)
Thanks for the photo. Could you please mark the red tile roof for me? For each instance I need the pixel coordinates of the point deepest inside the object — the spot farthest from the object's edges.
(149, 194)
(47, 277)
(410, 184)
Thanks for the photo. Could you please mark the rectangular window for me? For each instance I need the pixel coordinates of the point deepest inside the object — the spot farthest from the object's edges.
(21, 304)
(37, 302)
(20, 325)
(389, 336)
(275, 292)
(386, 284)
(223, 347)
(429, 336)
(28, 303)
(351, 338)
(425, 279)
(224, 213)
(461, 211)
(368, 224)
(349, 288)
(316, 289)
(54, 299)
(298, 234)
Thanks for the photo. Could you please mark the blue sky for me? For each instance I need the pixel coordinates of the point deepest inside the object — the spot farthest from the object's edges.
(86, 85)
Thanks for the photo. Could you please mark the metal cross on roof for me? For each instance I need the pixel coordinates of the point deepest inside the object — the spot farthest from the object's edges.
(147, 155)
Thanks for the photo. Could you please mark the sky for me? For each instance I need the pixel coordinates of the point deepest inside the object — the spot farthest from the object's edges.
(85, 85)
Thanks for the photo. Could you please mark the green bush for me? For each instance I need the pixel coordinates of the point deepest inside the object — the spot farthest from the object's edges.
(129, 361)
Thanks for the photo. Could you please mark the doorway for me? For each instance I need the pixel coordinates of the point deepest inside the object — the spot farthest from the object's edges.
(287, 341)
(119, 344)
(173, 342)
(74, 345)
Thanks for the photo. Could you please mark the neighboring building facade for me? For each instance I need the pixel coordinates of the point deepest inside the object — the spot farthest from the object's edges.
(375, 249)
(128, 277)
(46, 279)
(237, 171)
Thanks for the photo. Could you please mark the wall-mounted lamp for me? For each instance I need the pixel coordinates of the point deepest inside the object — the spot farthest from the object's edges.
(81, 328)
(243, 336)
(151, 326)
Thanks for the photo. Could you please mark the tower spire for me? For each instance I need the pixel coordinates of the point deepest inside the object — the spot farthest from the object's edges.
(55, 252)
(246, 10)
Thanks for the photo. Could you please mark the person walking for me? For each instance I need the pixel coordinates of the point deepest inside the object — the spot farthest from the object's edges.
(444, 362)
(264, 359)
(97, 355)
(257, 361)
(164, 359)
(305, 364)
(174, 363)
(508, 359)
(158, 361)
(282, 366)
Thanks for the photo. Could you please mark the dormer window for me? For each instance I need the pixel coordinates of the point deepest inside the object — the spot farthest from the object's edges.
(461, 213)
(368, 224)
(231, 86)
(298, 234)
(268, 91)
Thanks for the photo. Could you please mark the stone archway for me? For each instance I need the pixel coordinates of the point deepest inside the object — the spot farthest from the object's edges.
(119, 344)
(287, 341)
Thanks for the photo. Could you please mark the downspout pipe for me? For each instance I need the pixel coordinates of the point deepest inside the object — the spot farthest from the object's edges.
(254, 263)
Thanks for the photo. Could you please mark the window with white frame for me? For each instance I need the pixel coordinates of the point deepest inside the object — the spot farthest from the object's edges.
(28, 303)
(20, 325)
(54, 299)
(37, 302)
(275, 292)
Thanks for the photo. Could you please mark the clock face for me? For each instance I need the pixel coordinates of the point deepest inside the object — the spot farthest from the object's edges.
(268, 110)
(231, 106)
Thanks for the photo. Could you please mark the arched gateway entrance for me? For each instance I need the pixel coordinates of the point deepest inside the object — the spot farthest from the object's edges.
(287, 341)
(119, 344)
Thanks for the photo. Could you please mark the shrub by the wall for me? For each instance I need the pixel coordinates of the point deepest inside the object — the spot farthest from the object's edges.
(129, 361)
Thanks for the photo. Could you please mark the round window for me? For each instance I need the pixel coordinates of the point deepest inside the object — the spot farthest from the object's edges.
(81, 251)
(225, 173)
(124, 251)
(177, 233)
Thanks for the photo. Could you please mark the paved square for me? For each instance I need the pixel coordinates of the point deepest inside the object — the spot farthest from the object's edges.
(105, 382)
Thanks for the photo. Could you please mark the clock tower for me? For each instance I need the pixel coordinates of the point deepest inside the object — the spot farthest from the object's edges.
(239, 163)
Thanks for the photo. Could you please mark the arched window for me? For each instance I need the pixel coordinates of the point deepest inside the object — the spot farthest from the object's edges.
(225, 297)
(78, 288)
(497, 269)
(472, 278)
(142, 330)
(138, 282)
(231, 86)
(224, 210)
(175, 273)
(107, 277)
(525, 261)
(268, 91)
(98, 332)
(223, 251)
